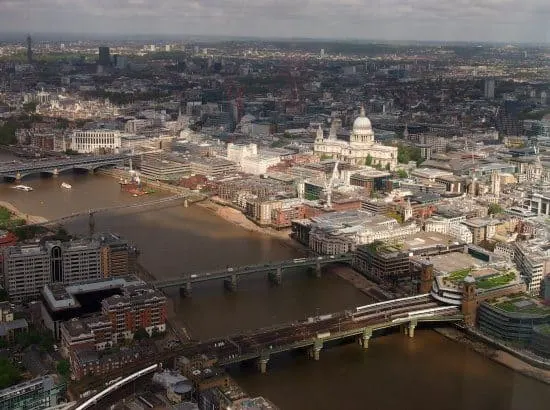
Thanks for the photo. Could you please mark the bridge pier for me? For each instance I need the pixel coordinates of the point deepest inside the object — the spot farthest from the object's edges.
(365, 337)
(18, 176)
(412, 326)
(315, 350)
(318, 269)
(276, 277)
(231, 283)
(262, 363)
(186, 290)
(55, 173)
(185, 203)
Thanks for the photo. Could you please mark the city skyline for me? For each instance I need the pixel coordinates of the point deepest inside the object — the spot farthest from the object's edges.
(428, 20)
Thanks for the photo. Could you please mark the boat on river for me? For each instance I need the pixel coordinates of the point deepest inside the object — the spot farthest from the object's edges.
(23, 188)
(66, 186)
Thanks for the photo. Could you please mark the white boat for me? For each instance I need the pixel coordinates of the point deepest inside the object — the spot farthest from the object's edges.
(23, 188)
(66, 186)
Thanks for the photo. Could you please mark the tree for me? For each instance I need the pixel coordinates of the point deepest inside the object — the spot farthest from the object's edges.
(29, 107)
(64, 368)
(141, 334)
(9, 374)
(7, 133)
(495, 209)
(368, 160)
(401, 173)
(388, 166)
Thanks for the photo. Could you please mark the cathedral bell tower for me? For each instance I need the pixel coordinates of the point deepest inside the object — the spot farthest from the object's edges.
(319, 137)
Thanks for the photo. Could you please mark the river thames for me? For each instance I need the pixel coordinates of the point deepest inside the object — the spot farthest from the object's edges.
(427, 372)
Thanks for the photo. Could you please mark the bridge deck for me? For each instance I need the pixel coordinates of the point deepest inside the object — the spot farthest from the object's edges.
(246, 346)
(246, 270)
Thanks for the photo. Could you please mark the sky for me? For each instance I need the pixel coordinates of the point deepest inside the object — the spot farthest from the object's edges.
(444, 20)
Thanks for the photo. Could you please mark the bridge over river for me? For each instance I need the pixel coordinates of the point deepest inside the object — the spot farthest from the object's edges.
(186, 198)
(18, 171)
(312, 335)
(230, 275)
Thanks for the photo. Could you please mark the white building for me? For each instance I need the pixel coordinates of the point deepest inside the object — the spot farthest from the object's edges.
(94, 141)
(248, 158)
(449, 226)
(533, 261)
(360, 147)
(341, 232)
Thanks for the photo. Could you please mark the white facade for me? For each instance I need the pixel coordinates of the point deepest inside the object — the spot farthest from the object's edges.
(452, 227)
(360, 147)
(326, 239)
(93, 141)
(533, 262)
(249, 160)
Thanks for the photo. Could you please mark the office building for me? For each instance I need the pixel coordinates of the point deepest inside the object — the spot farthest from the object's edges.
(513, 318)
(340, 232)
(118, 256)
(489, 90)
(61, 302)
(533, 261)
(391, 260)
(36, 394)
(28, 268)
(104, 57)
(96, 141)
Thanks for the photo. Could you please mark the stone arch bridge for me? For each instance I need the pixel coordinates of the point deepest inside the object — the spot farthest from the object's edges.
(55, 167)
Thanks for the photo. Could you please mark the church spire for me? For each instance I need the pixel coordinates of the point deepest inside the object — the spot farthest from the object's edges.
(320, 134)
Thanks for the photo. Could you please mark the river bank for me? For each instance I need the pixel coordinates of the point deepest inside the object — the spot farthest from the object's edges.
(29, 219)
(237, 218)
(360, 282)
(497, 355)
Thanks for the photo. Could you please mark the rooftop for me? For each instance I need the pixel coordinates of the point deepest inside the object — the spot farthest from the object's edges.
(521, 303)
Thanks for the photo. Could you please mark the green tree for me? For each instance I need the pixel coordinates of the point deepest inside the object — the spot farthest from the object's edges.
(141, 334)
(7, 133)
(388, 166)
(9, 374)
(64, 368)
(495, 209)
(29, 107)
(401, 173)
(368, 160)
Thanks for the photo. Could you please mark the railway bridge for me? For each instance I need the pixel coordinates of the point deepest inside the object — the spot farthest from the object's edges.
(315, 332)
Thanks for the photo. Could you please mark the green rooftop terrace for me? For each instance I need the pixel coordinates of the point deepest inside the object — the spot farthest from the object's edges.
(522, 304)
(483, 280)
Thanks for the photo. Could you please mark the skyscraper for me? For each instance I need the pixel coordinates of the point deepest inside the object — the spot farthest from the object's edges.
(104, 57)
(489, 88)
(29, 49)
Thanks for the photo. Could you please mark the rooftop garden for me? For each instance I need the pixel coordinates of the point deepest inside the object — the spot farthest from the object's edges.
(523, 304)
(493, 281)
(458, 276)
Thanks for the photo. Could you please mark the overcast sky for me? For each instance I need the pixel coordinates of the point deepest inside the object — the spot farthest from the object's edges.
(452, 20)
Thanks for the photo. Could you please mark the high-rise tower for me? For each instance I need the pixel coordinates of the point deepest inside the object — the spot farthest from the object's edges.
(29, 49)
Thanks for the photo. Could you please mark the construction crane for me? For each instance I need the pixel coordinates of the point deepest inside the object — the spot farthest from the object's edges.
(328, 185)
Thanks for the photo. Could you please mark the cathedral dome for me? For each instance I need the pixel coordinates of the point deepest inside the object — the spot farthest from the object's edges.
(362, 123)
